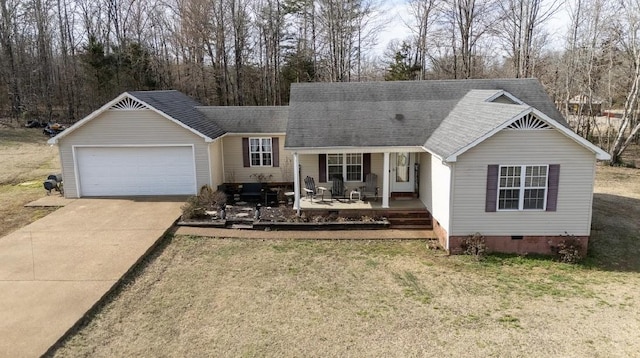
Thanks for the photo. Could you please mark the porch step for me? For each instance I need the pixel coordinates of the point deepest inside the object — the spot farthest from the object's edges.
(241, 226)
(410, 219)
(403, 195)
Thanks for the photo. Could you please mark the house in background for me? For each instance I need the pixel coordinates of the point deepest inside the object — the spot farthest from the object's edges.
(587, 105)
(488, 156)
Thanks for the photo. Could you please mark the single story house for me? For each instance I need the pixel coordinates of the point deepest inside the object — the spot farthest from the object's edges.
(585, 104)
(483, 156)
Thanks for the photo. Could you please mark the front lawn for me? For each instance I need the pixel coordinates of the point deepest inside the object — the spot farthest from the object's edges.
(217, 297)
(228, 298)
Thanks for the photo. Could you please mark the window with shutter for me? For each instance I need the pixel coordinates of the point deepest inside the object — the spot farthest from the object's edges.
(522, 187)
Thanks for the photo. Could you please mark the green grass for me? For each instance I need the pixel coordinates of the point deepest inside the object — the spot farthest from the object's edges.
(412, 286)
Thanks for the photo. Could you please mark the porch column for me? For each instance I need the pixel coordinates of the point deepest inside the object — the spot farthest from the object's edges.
(385, 181)
(296, 182)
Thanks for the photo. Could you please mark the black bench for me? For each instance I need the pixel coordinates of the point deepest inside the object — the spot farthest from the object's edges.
(251, 192)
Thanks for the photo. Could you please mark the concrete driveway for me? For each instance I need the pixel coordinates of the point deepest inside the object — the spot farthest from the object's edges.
(55, 269)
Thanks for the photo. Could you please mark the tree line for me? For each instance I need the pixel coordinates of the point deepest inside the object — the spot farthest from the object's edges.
(61, 59)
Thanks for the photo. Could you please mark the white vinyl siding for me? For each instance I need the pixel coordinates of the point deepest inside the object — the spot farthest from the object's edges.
(216, 162)
(236, 172)
(130, 128)
(439, 190)
(424, 185)
(535, 147)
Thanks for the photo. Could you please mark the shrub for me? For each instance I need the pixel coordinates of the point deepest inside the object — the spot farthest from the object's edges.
(568, 250)
(261, 177)
(207, 199)
(475, 246)
(192, 209)
(211, 199)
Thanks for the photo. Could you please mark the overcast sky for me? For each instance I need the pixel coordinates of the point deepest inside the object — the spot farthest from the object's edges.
(398, 14)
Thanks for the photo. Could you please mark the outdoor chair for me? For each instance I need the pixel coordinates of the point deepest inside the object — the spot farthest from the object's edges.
(338, 191)
(310, 188)
(371, 187)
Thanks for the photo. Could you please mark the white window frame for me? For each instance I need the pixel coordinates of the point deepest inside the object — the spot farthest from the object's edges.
(523, 187)
(344, 166)
(260, 151)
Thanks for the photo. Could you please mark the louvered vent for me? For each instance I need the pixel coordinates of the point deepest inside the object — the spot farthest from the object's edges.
(504, 99)
(128, 104)
(529, 122)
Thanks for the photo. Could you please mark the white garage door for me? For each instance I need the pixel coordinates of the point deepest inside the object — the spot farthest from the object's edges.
(123, 171)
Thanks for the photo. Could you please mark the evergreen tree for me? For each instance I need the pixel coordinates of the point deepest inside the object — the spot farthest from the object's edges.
(401, 68)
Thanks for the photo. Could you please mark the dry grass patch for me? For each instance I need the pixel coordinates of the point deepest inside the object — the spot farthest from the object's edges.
(216, 297)
(26, 161)
(615, 227)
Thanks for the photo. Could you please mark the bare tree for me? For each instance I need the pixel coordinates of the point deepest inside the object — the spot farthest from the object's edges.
(7, 26)
(424, 13)
(239, 23)
(630, 22)
(521, 23)
(345, 33)
(270, 26)
(462, 28)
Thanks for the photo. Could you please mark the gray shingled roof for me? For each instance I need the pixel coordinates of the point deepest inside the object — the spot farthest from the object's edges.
(248, 119)
(182, 108)
(405, 113)
(469, 120)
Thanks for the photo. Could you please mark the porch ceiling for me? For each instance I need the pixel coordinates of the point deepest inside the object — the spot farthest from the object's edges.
(336, 150)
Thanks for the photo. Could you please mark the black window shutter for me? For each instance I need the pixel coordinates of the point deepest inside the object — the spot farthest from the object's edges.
(552, 190)
(366, 165)
(275, 150)
(492, 188)
(245, 152)
(322, 168)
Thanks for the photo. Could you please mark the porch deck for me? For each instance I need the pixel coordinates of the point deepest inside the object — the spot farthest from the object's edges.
(401, 213)
(328, 204)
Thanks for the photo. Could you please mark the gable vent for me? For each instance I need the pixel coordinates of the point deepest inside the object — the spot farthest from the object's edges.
(529, 122)
(128, 104)
(504, 100)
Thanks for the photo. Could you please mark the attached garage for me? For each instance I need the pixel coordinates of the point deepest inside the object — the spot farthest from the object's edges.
(141, 143)
(139, 170)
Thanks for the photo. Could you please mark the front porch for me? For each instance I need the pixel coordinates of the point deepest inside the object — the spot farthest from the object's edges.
(393, 173)
(402, 213)
(328, 204)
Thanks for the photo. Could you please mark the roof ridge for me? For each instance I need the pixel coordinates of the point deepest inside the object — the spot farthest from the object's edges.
(363, 83)
(240, 107)
(156, 91)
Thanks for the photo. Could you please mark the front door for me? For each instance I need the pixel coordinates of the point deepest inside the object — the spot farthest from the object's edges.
(402, 173)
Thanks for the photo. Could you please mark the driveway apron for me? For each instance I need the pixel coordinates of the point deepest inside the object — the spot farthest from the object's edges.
(55, 269)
